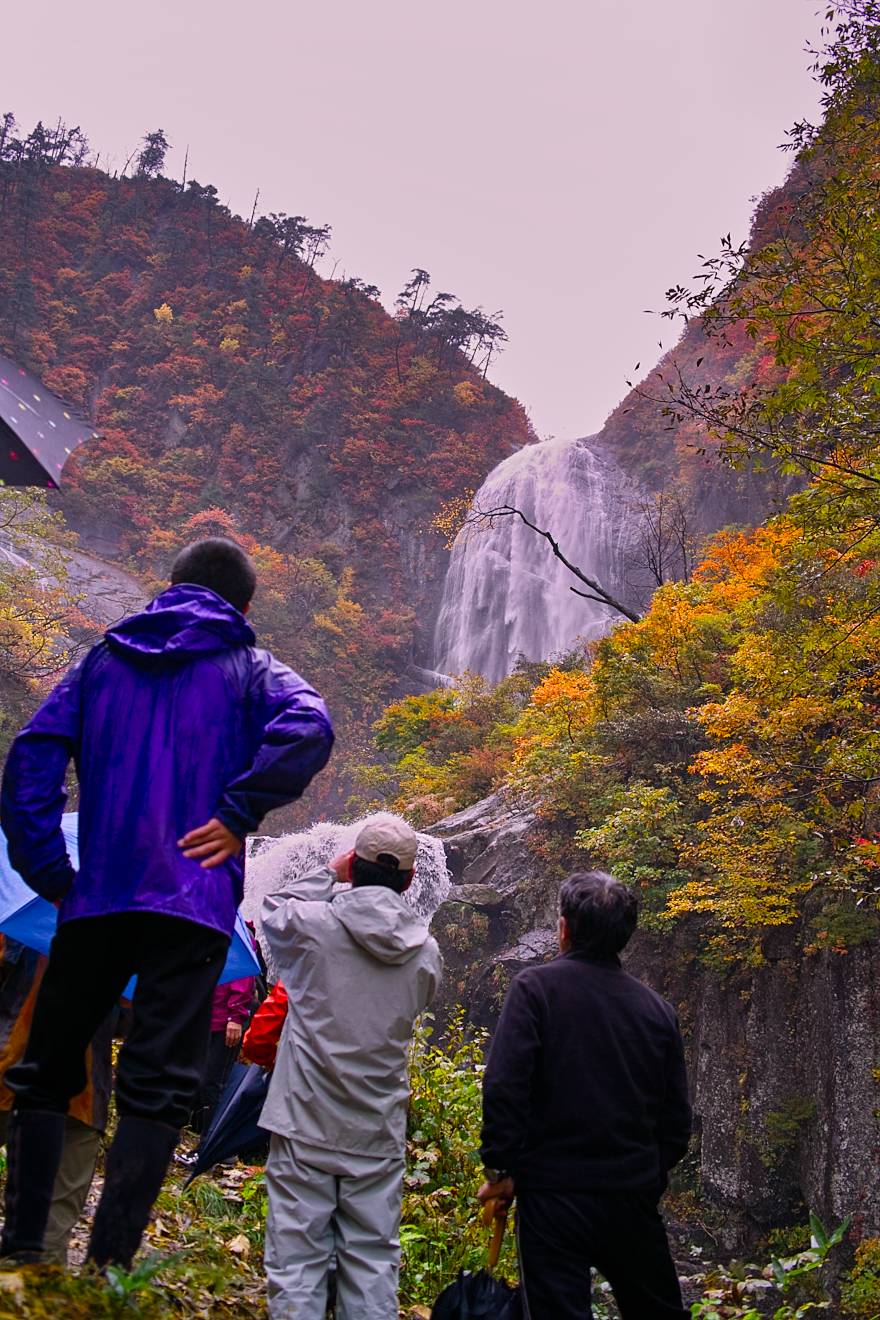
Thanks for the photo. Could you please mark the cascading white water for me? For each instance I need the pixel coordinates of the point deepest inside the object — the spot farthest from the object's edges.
(505, 593)
(273, 865)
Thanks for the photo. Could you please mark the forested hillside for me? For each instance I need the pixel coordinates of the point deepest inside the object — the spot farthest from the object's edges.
(722, 753)
(660, 441)
(236, 390)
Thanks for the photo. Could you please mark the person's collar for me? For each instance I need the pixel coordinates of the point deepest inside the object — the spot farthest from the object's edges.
(580, 955)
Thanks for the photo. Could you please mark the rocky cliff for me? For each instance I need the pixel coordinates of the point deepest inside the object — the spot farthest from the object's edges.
(783, 1057)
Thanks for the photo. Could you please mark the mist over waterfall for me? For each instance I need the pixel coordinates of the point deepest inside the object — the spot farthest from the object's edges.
(505, 593)
(274, 864)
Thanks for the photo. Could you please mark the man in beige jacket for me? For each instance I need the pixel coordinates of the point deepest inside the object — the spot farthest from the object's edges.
(359, 966)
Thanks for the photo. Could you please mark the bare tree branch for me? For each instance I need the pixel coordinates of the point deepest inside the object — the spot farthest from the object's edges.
(598, 592)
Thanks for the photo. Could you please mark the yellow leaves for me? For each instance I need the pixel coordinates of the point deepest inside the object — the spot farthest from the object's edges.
(164, 315)
(729, 718)
(451, 517)
(737, 564)
(729, 763)
(753, 901)
(228, 344)
(468, 394)
(685, 637)
(12, 1284)
(239, 1246)
(344, 619)
(37, 607)
(671, 627)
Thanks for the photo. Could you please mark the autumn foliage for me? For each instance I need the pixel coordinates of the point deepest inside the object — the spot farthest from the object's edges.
(723, 752)
(237, 390)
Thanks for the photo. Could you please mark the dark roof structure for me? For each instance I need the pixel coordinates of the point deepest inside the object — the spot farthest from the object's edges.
(38, 432)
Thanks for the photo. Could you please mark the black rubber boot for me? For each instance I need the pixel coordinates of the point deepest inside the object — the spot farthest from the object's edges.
(136, 1165)
(34, 1146)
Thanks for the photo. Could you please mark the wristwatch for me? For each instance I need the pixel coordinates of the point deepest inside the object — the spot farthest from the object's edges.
(496, 1175)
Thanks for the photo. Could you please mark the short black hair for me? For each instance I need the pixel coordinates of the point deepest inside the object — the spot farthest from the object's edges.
(221, 566)
(374, 873)
(601, 912)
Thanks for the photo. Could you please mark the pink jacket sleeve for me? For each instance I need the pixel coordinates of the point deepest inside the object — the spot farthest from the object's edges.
(239, 998)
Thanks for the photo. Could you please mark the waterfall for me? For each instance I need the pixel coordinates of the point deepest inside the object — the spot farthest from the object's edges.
(505, 593)
(273, 865)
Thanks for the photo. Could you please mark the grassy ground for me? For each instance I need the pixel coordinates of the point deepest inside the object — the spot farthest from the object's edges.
(202, 1260)
(202, 1257)
(203, 1251)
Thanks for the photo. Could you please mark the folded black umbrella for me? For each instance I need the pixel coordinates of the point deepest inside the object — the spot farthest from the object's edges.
(477, 1296)
(235, 1126)
(38, 432)
(481, 1296)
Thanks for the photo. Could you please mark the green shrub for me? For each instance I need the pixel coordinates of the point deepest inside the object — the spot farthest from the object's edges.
(860, 1294)
(440, 1230)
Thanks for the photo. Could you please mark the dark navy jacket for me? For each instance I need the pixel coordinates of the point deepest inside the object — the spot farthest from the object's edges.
(174, 718)
(585, 1088)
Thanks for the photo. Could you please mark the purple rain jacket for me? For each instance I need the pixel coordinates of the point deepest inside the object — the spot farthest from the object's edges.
(174, 718)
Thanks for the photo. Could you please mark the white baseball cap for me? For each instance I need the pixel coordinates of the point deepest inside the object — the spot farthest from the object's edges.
(385, 835)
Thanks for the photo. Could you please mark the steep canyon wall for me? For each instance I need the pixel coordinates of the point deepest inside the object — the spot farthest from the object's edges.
(783, 1057)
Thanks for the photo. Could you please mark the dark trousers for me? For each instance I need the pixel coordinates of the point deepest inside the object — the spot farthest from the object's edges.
(561, 1235)
(177, 963)
(218, 1066)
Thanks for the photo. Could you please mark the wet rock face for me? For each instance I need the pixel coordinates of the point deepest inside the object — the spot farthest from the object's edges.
(783, 1065)
(109, 593)
(497, 915)
(784, 1059)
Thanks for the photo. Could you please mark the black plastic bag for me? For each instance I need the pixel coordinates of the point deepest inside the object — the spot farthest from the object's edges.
(478, 1296)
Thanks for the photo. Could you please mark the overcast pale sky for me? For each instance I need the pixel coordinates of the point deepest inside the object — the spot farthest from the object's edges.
(563, 160)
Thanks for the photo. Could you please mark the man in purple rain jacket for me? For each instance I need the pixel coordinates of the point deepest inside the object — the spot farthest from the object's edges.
(184, 735)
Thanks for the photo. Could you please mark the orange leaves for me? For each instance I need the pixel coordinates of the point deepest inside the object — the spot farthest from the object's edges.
(210, 522)
(567, 693)
(562, 710)
(737, 564)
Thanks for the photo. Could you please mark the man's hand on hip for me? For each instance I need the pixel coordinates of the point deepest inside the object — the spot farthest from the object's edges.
(212, 844)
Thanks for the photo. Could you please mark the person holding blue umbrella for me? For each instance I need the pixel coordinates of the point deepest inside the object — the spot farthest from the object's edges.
(184, 735)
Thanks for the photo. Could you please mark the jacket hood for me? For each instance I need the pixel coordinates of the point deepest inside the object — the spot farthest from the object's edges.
(182, 622)
(381, 922)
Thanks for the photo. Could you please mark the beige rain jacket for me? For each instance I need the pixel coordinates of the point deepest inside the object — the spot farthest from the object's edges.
(359, 966)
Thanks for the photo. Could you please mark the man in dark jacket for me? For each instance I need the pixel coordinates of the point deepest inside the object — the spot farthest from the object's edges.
(184, 735)
(585, 1110)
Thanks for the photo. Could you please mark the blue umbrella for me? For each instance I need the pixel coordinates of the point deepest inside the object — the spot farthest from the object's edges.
(31, 920)
(235, 1126)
